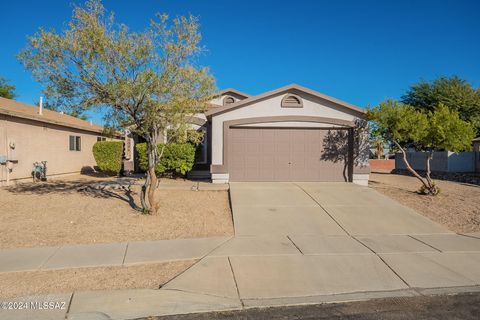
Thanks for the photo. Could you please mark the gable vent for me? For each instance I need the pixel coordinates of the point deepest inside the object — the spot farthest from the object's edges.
(292, 101)
(228, 100)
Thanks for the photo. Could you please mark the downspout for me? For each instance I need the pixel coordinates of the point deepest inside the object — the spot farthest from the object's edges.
(351, 158)
(5, 170)
(40, 106)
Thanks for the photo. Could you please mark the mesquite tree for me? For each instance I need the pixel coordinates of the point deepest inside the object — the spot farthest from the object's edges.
(147, 81)
(439, 129)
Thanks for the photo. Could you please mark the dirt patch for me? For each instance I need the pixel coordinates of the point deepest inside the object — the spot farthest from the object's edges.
(150, 276)
(56, 213)
(457, 206)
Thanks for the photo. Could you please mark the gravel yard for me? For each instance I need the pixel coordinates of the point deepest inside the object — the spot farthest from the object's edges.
(150, 276)
(457, 206)
(57, 213)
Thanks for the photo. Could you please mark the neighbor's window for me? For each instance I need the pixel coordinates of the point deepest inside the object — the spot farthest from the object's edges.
(75, 143)
(101, 139)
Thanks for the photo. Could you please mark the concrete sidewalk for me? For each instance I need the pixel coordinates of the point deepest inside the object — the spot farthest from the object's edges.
(109, 254)
(134, 253)
(295, 244)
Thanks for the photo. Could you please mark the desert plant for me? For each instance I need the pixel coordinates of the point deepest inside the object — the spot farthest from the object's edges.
(177, 158)
(108, 156)
(440, 129)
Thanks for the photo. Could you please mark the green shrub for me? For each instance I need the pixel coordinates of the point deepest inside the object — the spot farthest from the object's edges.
(177, 157)
(108, 155)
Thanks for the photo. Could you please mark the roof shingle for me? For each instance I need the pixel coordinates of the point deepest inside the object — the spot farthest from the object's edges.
(28, 111)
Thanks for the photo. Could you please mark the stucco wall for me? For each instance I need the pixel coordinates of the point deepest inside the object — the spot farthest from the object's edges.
(271, 107)
(35, 141)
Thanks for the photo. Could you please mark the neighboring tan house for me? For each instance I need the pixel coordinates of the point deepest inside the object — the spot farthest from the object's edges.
(289, 134)
(31, 134)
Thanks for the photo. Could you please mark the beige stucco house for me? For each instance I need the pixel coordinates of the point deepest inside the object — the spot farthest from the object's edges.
(288, 134)
(30, 134)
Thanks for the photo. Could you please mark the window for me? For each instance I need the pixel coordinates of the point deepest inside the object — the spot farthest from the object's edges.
(228, 100)
(75, 143)
(101, 139)
(292, 101)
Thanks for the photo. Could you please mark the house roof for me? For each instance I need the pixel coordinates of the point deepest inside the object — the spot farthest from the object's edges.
(231, 90)
(291, 87)
(28, 111)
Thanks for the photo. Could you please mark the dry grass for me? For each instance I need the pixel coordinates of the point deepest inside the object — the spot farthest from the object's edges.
(56, 213)
(150, 276)
(457, 206)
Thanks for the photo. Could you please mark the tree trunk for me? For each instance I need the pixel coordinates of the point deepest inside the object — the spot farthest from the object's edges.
(145, 206)
(429, 157)
(409, 167)
(147, 197)
(432, 189)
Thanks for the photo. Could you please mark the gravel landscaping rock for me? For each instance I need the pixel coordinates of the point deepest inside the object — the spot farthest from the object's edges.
(457, 206)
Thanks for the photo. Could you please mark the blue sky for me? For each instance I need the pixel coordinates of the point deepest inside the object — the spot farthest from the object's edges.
(358, 51)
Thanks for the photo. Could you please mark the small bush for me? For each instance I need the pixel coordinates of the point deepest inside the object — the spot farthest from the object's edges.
(108, 156)
(425, 191)
(176, 158)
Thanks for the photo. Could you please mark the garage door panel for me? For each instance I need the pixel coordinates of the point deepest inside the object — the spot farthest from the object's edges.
(268, 148)
(281, 154)
(252, 148)
(300, 170)
(281, 166)
(252, 135)
(238, 148)
(281, 135)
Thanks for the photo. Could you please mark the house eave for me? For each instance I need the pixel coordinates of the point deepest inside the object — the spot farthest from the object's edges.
(292, 87)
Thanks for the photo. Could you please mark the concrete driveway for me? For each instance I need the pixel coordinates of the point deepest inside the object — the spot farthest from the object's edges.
(316, 208)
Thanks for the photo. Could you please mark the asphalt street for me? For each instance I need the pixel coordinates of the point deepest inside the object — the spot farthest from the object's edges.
(461, 306)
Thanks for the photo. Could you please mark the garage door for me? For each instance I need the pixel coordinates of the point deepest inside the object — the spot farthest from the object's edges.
(287, 154)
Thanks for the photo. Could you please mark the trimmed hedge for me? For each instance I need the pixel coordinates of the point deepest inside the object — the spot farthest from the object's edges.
(108, 155)
(177, 157)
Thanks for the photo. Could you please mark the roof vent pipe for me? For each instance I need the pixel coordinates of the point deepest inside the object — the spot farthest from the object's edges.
(40, 106)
